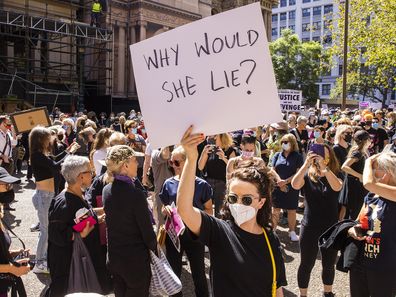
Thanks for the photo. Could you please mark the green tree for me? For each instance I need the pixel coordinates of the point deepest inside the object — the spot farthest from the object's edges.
(371, 48)
(298, 65)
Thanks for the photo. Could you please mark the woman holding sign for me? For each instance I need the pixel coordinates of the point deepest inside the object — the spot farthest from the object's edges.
(245, 253)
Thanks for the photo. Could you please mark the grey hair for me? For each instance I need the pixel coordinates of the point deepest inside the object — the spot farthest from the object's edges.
(387, 162)
(301, 119)
(73, 166)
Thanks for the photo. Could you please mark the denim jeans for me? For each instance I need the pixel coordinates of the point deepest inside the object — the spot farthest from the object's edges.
(42, 201)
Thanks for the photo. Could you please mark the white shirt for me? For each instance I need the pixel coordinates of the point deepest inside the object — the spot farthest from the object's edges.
(97, 156)
(3, 142)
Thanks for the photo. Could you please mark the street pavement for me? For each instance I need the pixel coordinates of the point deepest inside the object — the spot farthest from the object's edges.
(25, 215)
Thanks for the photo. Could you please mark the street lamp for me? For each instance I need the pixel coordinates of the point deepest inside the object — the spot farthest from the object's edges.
(345, 67)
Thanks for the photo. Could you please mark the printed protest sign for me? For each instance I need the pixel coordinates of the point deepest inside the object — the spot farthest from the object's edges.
(364, 104)
(290, 100)
(215, 73)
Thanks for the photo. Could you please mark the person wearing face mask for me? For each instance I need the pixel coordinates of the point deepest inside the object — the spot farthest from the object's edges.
(77, 172)
(248, 152)
(342, 140)
(8, 141)
(317, 133)
(273, 144)
(301, 134)
(330, 134)
(286, 164)
(321, 180)
(382, 136)
(46, 174)
(374, 271)
(194, 249)
(354, 166)
(68, 126)
(136, 142)
(368, 126)
(130, 233)
(243, 245)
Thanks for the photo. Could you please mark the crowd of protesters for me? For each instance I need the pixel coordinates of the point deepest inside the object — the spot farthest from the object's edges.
(231, 190)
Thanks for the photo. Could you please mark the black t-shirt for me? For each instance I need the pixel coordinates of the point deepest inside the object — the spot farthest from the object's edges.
(216, 168)
(321, 203)
(374, 137)
(382, 137)
(341, 153)
(378, 220)
(300, 137)
(358, 166)
(240, 261)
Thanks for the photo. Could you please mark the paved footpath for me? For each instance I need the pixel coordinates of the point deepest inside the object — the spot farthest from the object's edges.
(25, 215)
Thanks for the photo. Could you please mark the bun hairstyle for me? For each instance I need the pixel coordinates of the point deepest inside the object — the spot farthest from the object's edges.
(115, 159)
(259, 175)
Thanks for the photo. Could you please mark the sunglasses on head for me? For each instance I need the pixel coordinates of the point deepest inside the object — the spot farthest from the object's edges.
(174, 163)
(245, 199)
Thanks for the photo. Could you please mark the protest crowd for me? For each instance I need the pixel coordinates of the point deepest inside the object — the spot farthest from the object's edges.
(113, 212)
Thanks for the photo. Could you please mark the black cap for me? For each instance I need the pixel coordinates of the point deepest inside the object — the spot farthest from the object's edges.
(361, 135)
(5, 177)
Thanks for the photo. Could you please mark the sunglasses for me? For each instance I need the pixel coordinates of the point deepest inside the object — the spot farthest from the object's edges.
(245, 199)
(284, 142)
(175, 163)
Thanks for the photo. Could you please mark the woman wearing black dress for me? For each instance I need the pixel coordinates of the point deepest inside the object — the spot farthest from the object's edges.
(129, 230)
(354, 166)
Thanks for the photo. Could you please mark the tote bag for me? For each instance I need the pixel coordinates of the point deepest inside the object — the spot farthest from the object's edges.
(163, 280)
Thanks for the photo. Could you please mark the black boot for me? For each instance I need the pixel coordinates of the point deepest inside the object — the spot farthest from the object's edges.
(328, 294)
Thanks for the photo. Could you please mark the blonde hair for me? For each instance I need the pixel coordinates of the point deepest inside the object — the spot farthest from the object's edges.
(334, 165)
(343, 121)
(387, 162)
(117, 138)
(340, 130)
(226, 140)
(128, 124)
(116, 157)
(292, 140)
(179, 150)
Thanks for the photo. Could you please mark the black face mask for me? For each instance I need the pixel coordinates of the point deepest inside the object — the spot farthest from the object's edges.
(60, 137)
(348, 138)
(7, 197)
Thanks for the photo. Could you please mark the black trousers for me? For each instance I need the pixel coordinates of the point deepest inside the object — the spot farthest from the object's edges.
(123, 288)
(368, 283)
(219, 189)
(309, 248)
(195, 252)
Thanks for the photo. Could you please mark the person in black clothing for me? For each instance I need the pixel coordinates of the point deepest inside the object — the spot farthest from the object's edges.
(320, 179)
(77, 172)
(194, 249)
(68, 126)
(301, 134)
(343, 139)
(213, 162)
(246, 259)
(354, 166)
(374, 271)
(383, 138)
(129, 227)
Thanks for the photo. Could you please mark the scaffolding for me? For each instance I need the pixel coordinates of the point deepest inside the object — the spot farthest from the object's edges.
(48, 47)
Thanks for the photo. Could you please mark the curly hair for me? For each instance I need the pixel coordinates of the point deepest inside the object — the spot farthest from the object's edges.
(260, 176)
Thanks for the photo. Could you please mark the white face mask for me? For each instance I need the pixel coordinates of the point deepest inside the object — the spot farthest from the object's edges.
(286, 146)
(246, 154)
(242, 213)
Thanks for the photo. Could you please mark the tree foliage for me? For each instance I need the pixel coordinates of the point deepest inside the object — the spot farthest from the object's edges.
(298, 65)
(371, 48)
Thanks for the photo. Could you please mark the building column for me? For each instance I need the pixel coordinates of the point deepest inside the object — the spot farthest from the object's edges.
(121, 60)
(143, 30)
(131, 81)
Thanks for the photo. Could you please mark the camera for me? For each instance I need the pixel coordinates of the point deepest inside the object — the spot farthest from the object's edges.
(23, 255)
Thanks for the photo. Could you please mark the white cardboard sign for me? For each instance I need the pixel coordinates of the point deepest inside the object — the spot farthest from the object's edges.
(290, 100)
(215, 73)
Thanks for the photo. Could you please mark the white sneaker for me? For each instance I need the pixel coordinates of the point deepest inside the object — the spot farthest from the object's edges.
(293, 236)
(206, 249)
(40, 269)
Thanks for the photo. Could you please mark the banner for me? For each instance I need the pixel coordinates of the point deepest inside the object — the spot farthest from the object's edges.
(364, 104)
(215, 73)
(290, 100)
(26, 120)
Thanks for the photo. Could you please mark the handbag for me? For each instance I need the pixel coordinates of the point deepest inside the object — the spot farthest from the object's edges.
(161, 236)
(163, 280)
(82, 275)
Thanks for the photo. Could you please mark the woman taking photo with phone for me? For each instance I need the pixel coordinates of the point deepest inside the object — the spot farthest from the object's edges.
(374, 271)
(320, 179)
(245, 253)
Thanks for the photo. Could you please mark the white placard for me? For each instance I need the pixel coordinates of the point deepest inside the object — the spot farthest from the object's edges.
(215, 73)
(376, 105)
(290, 100)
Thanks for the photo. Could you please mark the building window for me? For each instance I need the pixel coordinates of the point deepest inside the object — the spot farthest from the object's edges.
(326, 89)
(327, 39)
(340, 69)
(283, 16)
(316, 38)
(281, 29)
(292, 2)
(306, 12)
(293, 28)
(283, 3)
(305, 39)
(316, 26)
(327, 24)
(317, 10)
(306, 1)
(274, 31)
(275, 17)
(305, 27)
(393, 95)
(292, 15)
(328, 9)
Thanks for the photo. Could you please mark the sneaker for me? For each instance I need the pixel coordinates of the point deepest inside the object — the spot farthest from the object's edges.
(293, 236)
(40, 269)
(35, 227)
(206, 249)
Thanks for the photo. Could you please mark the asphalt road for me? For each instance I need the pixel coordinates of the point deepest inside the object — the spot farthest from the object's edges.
(25, 215)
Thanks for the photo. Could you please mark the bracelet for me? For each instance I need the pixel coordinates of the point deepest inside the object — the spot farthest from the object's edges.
(325, 170)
